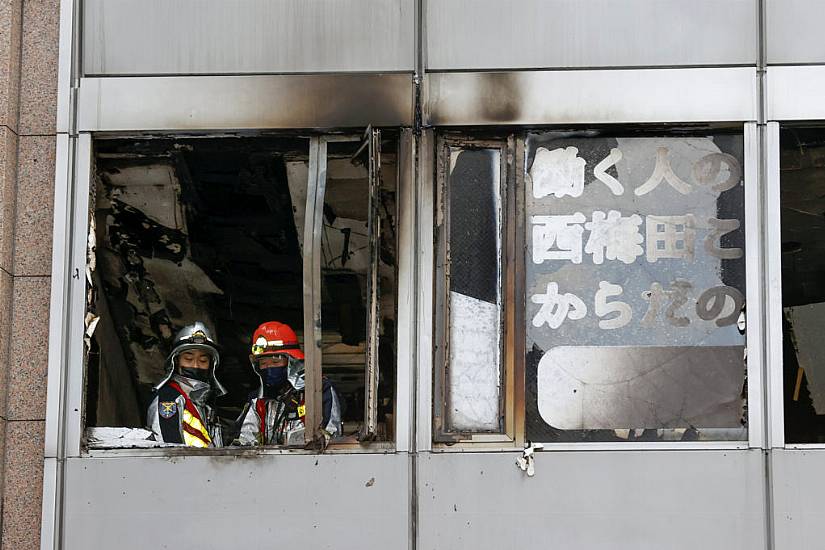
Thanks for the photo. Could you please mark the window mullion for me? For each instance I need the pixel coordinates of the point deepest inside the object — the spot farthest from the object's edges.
(374, 230)
(313, 229)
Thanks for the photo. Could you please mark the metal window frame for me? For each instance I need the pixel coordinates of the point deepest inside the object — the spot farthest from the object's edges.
(66, 371)
(756, 365)
(444, 144)
(754, 291)
(773, 276)
(65, 415)
(773, 290)
(774, 339)
(316, 191)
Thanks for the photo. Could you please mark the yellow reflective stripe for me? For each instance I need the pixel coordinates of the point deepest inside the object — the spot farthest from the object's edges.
(193, 441)
(195, 423)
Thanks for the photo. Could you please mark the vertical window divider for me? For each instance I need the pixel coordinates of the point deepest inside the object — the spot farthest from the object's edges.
(515, 202)
(370, 427)
(442, 276)
(313, 229)
(775, 430)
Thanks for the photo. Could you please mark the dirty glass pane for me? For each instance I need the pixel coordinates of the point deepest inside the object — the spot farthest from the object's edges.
(635, 285)
(188, 230)
(474, 367)
(803, 282)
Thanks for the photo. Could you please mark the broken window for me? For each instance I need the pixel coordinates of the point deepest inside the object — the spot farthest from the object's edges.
(803, 282)
(634, 287)
(215, 230)
(358, 282)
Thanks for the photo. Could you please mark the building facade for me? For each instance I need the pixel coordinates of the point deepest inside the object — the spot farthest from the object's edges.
(560, 259)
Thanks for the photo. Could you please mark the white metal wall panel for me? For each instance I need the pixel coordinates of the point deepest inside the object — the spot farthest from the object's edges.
(794, 31)
(593, 501)
(128, 37)
(510, 34)
(245, 102)
(799, 498)
(598, 97)
(255, 502)
(795, 92)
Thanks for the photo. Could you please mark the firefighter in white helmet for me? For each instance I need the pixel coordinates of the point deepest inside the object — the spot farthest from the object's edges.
(182, 410)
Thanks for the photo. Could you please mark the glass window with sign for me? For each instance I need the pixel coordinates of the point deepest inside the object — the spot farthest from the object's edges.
(802, 179)
(249, 237)
(624, 254)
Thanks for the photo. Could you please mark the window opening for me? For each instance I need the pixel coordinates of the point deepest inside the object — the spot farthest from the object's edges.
(803, 292)
(358, 274)
(212, 230)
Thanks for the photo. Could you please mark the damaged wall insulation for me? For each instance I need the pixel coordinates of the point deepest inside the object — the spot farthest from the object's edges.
(210, 230)
(802, 202)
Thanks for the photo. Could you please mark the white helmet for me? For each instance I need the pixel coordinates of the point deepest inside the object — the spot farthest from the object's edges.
(195, 336)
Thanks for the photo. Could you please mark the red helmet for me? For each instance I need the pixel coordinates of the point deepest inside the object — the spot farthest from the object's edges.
(272, 338)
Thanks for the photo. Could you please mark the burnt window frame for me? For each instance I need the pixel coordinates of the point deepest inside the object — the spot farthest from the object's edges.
(756, 364)
(73, 221)
(510, 287)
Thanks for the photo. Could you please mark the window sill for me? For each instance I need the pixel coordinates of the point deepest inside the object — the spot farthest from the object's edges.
(607, 446)
(238, 452)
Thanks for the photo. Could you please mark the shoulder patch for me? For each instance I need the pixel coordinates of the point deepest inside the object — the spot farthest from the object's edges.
(167, 409)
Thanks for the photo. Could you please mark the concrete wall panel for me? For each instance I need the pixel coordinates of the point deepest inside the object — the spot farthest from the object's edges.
(794, 31)
(679, 500)
(129, 37)
(510, 34)
(255, 502)
(799, 498)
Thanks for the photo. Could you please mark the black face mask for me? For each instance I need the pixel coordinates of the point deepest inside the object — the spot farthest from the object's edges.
(195, 374)
(273, 378)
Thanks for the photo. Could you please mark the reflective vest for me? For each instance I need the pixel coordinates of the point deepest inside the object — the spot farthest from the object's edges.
(194, 431)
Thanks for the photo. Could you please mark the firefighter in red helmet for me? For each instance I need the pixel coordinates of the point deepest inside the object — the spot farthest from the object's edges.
(275, 415)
